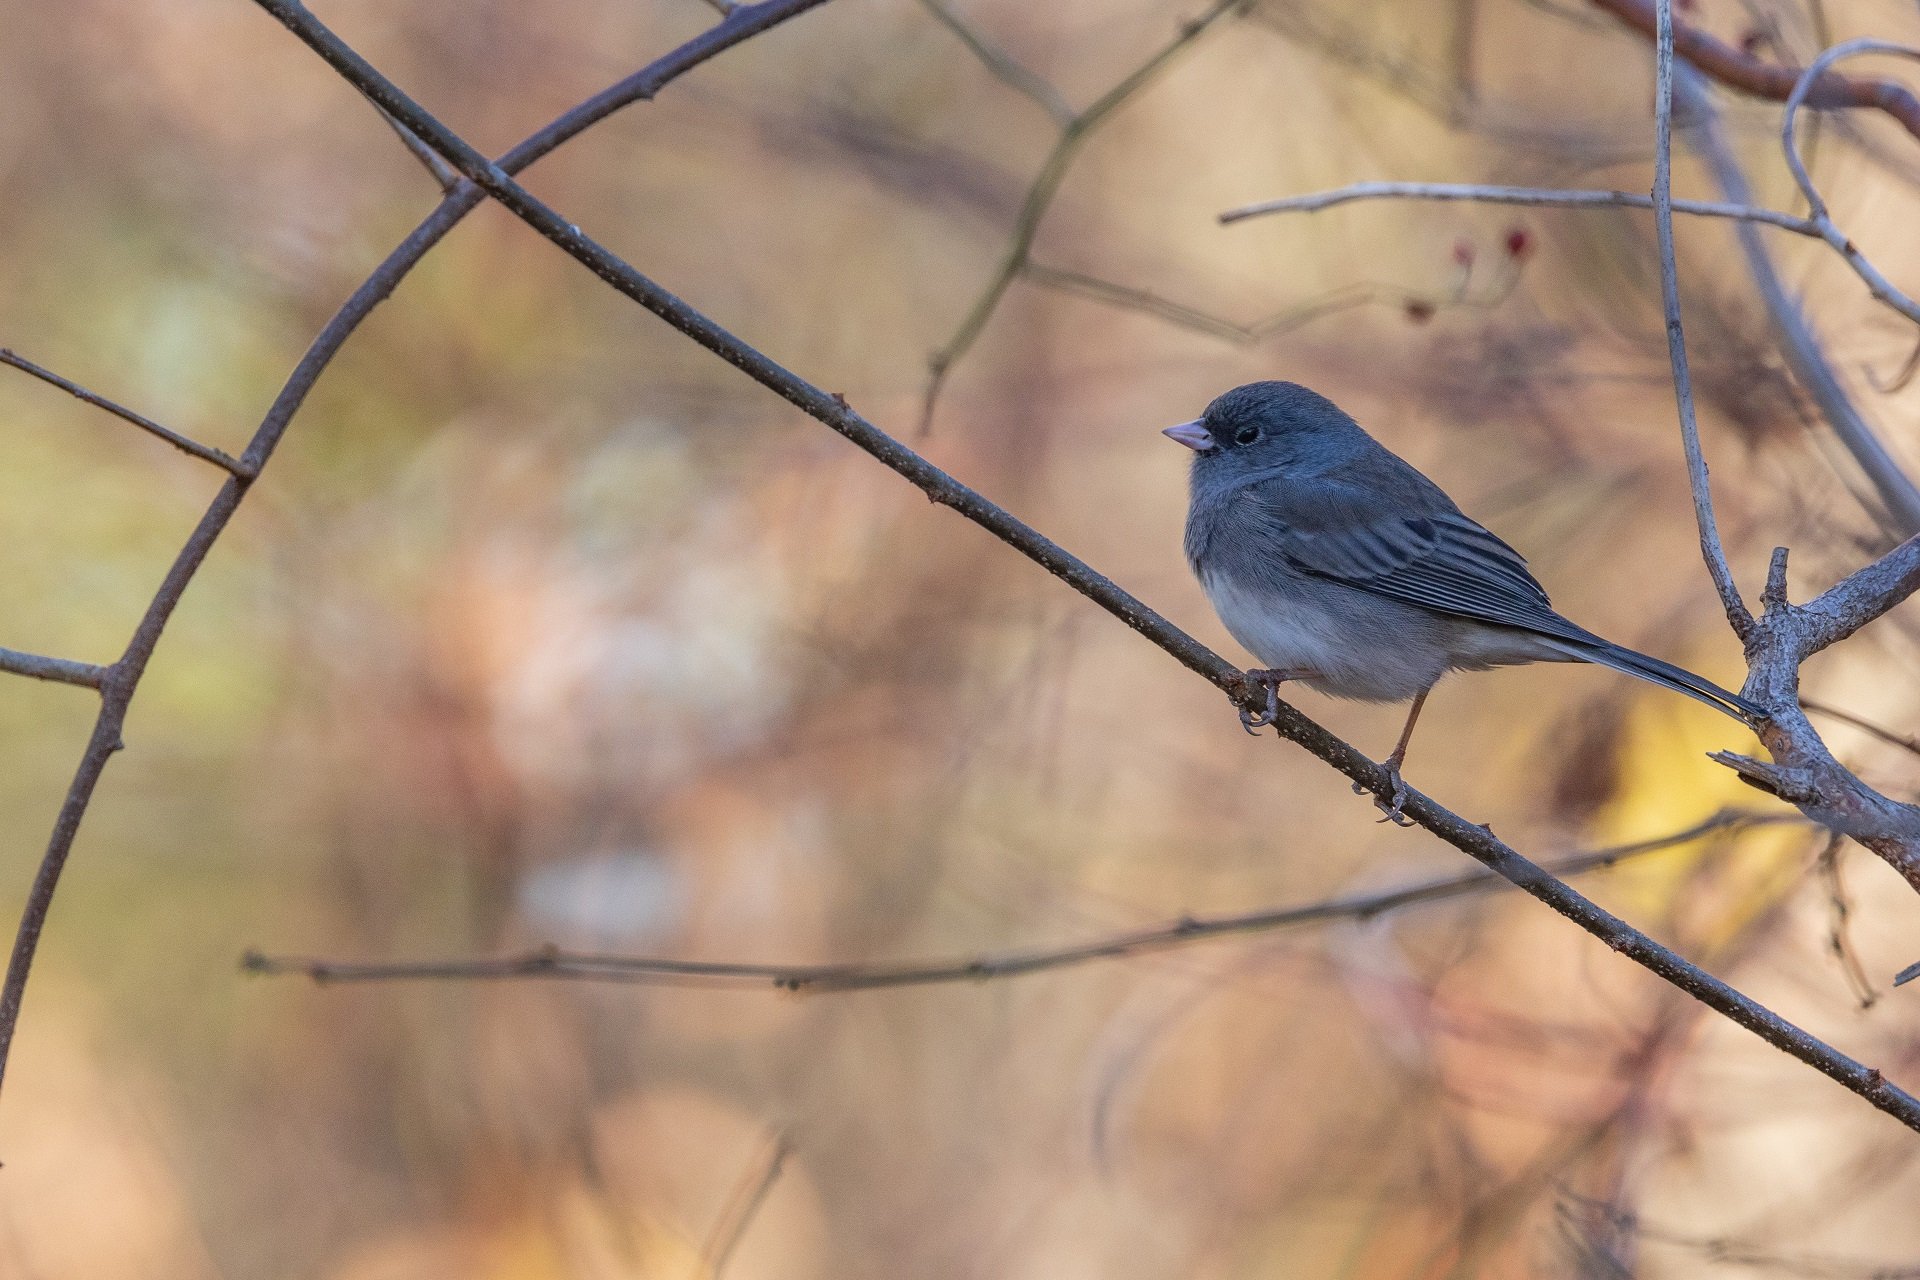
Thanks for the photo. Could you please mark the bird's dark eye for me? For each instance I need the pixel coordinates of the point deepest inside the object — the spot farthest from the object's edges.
(1246, 435)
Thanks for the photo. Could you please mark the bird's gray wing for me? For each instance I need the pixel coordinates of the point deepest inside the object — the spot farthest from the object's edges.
(1409, 545)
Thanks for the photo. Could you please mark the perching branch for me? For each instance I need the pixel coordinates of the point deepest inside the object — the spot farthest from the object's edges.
(552, 962)
(119, 682)
(834, 412)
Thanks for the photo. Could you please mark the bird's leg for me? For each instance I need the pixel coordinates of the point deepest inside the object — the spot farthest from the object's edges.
(1393, 762)
(1270, 680)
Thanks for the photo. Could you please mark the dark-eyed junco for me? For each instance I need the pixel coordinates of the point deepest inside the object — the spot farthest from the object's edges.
(1338, 565)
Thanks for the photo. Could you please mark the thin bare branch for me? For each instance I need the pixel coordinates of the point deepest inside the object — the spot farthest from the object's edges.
(1004, 66)
(834, 412)
(1803, 94)
(1533, 197)
(1839, 916)
(123, 679)
(1710, 549)
(1185, 932)
(1419, 306)
(206, 453)
(1888, 736)
(59, 670)
(1820, 227)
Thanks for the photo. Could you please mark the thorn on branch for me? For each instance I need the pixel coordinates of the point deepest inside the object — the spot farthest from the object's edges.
(1773, 597)
(1782, 783)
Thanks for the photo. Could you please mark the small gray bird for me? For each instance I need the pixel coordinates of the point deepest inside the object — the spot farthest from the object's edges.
(1340, 566)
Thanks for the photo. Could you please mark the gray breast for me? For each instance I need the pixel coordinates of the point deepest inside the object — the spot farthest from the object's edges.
(1342, 641)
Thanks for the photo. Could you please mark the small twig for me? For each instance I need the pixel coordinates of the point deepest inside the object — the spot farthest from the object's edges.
(206, 453)
(742, 1207)
(1839, 912)
(1901, 376)
(1187, 931)
(1004, 66)
(1532, 197)
(1710, 549)
(1888, 736)
(1802, 94)
(1817, 210)
(59, 670)
(443, 173)
(1344, 298)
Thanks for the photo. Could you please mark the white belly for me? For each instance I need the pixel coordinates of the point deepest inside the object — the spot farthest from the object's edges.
(1333, 638)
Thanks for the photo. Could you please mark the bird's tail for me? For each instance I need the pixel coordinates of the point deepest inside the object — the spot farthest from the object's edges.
(1666, 675)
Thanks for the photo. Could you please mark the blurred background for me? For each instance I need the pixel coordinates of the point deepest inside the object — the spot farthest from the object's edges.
(546, 627)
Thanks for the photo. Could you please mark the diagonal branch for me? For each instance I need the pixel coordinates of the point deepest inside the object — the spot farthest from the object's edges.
(120, 682)
(206, 453)
(833, 411)
(552, 962)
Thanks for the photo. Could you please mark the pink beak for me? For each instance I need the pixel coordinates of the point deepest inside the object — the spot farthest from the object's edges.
(1191, 434)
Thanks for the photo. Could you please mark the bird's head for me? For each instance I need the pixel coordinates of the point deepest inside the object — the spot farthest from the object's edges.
(1265, 428)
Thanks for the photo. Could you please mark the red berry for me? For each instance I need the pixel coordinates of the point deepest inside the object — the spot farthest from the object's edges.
(1463, 252)
(1519, 243)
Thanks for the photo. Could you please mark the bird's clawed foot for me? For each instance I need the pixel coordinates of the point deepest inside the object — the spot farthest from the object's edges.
(1254, 721)
(1391, 809)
